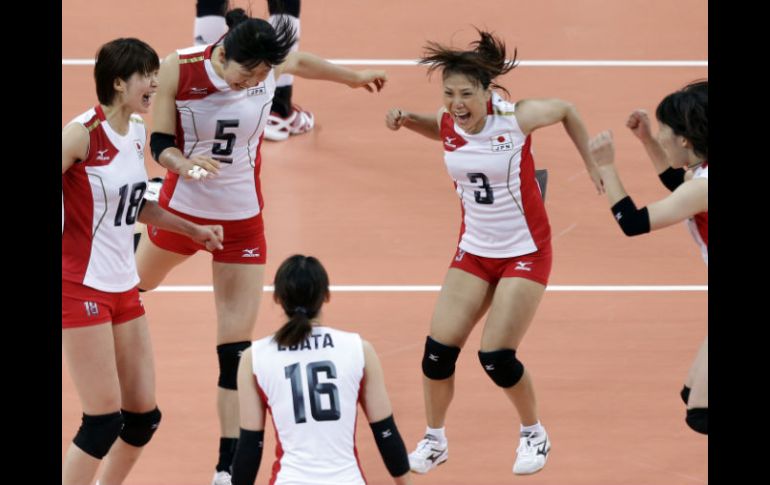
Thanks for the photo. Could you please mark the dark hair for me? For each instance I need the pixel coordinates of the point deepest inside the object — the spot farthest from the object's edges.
(301, 287)
(251, 41)
(686, 113)
(121, 58)
(482, 64)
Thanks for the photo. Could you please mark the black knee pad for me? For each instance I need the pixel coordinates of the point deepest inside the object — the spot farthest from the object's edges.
(97, 433)
(438, 361)
(229, 356)
(502, 367)
(138, 428)
(685, 394)
(698, 420)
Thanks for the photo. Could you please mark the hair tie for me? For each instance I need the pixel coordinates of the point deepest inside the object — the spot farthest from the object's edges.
(300, 309)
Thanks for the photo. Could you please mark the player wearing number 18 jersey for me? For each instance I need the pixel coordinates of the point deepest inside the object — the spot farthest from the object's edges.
(105, 338)
(311, 378)
(503, 258)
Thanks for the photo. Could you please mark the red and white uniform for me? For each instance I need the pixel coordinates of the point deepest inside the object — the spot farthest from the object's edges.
(101, 197)
(216, 121)
(312, 392)
(699, 224)
(494, 175)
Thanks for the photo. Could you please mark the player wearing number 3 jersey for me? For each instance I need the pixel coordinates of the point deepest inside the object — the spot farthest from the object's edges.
(311, 378)
(211, 110)
(503, 258)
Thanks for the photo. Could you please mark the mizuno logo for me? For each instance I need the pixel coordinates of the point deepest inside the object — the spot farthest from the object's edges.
(436, 455)
(543, 450)
(489, 366)
(449, 140)
(387, 433)
(102, 154)
(618, 216)
(523, 266)
(199, 91)
(250, 253)
(433, 357)
(460, 254)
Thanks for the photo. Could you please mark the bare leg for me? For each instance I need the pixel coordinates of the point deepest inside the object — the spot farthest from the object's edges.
(90, 357)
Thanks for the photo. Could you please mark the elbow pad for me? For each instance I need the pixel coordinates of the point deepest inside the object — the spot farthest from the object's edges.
(672, 178)
(632, 221)
(391, 446)
(159, 142)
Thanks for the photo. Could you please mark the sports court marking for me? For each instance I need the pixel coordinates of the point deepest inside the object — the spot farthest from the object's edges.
(532, 63)
(435, 288)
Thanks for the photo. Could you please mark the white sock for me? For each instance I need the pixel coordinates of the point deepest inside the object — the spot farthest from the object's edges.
(208, 29)
(438, 433)
(535, 428)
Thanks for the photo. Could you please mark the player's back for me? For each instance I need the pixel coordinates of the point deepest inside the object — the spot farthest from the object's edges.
(312, 392)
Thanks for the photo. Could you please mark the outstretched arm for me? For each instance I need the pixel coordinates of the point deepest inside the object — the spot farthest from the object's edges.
(425, 124)
(210, 236)
(310, 66)
(532, 114)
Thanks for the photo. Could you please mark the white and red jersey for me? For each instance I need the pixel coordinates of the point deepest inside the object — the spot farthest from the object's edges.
(699, 223)
(494, 175)
(227, 125)
(101, 197)
(312, 391)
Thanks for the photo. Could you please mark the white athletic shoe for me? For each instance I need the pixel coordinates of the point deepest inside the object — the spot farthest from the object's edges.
(222, 478)
(429, 454)
(532, 453)
(299, 121)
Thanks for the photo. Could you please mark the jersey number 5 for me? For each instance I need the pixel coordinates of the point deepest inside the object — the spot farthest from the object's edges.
(316, 390)
(223, 153)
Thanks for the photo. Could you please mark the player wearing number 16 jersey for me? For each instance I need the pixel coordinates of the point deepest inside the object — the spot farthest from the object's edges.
(311, 378)
(503, 258)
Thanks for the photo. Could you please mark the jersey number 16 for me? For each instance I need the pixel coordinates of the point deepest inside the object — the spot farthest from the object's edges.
(315, 390)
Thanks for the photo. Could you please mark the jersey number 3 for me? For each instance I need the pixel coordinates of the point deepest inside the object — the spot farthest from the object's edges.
(489, 196)
(316, 390)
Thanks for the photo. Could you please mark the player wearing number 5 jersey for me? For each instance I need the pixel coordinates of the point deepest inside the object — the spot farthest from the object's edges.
(211, 110)
(105, 337)
(503, 258)
(311, 378)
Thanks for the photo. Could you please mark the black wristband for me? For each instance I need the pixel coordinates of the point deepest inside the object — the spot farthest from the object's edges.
(391, 446)
(159, 142)
(248, 454)
(672, 177)
(632, 221)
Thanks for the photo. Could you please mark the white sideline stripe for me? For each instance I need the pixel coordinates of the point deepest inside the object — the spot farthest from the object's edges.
(533, 63)
(435, 288)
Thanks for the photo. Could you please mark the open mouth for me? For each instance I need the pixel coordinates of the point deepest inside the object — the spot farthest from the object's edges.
(462, 118)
